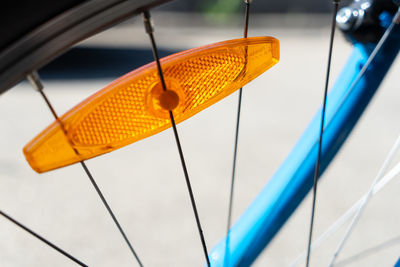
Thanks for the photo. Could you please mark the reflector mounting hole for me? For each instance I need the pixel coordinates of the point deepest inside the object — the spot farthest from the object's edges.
(159, 102)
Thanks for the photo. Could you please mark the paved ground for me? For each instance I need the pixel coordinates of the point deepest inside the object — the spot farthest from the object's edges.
(144, 183)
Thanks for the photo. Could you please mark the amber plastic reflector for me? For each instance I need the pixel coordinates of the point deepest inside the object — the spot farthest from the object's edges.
(135, 106)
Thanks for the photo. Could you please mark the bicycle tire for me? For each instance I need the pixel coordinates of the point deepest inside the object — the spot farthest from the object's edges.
(55, 31)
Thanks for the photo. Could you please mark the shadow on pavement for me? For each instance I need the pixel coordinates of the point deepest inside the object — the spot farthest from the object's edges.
(97, 63)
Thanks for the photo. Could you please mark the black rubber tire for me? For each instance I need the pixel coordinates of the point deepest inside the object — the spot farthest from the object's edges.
(33, 33)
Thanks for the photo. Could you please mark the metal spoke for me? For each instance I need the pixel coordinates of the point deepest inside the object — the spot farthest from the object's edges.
(378, 47)
(232, 187)
(391, 154)
(317, 165)
(355, 208)
(66, 254)
(149, 30)
(37, 84)
(350, 213)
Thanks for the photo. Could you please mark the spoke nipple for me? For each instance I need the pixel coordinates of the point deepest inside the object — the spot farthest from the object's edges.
(34, 79)
(148, 24)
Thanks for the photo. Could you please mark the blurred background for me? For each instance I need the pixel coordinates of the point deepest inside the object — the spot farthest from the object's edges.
(144, 183)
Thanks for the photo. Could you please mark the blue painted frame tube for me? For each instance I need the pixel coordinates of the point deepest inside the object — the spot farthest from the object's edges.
(293, 180)
(397, 264)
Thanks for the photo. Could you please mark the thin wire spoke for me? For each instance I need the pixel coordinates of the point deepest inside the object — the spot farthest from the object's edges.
(388, 159)
(50, 244)
(317, 165)
(375, 188)
(149, 30)
(37, 84)
(83, 164)
(378, 47)
(232, 187)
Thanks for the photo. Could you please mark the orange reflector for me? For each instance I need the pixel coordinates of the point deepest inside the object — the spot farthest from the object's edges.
(135, 106)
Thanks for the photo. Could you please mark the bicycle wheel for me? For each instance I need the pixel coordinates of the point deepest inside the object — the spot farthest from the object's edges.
(146, 179)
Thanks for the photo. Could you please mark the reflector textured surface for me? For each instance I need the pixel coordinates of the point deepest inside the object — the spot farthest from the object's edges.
(130, 108)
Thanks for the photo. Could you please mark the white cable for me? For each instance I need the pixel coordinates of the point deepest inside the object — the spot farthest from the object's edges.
(375, 188)
(364, 203)
(395, 20)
